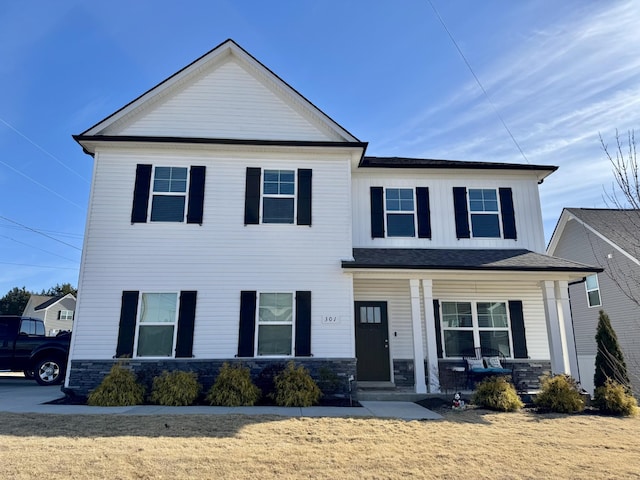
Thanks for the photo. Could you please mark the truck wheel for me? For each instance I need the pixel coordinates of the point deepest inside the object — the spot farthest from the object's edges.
(29, 374)
(49, 371)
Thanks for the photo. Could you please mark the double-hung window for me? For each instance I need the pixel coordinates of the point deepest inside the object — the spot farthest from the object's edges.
(169, 194)
(593, 291)
(275, 324)
(156, 329)
(485, 213)
(400, 212)
(278, 199)
(65, 315)
(469, 325)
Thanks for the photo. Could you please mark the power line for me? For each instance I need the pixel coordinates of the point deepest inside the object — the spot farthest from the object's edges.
(54, 232)
(504, 124)
(37, 266)
(38, 248)
(43, 150)
(40, 233)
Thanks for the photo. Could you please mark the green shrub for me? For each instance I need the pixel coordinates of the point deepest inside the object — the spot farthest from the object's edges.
(233, 388)
(175, 389)
(118, 389)
(496, 393)
(294, 387)
(561, 394)
(614, 399)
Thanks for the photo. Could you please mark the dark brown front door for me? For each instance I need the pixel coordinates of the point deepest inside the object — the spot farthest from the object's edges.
(372, 341)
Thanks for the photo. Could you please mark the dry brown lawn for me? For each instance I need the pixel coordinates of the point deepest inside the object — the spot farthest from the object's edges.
(465, 445)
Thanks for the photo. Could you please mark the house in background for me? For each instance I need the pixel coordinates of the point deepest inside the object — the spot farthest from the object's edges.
(231, 220)
(609, 239)
(56, 312)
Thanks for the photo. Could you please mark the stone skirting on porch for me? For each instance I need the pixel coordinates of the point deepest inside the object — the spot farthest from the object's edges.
(333, 375)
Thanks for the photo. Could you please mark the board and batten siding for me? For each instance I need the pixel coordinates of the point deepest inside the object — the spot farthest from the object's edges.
(219, 258)
(396, 293)
(526, 200)
(224, 102)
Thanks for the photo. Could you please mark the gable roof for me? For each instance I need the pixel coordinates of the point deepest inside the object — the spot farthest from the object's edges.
(463, 259)
(428, 163)
(618, 227)
(291, 104)
(50, 300)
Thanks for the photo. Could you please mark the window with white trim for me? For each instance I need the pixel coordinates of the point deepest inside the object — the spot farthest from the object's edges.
(156, 326)
(169, 194)
(275, 324)
(400, 212)
(484, 212)
(593, 291)
(66, 315)
(469, 325)
(278, 196)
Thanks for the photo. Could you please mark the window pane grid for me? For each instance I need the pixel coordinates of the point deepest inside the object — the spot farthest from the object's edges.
(400, 207)
(275, 324)
(593, 291)
(278, 192)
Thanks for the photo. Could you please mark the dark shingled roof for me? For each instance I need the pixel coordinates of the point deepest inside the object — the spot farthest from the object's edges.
(621, 227)
(48, 303)
(462, 259)
(403, 162)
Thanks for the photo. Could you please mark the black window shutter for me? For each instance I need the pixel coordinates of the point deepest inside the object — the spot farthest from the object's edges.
(424, 212)
(303, 324)
(508, 214)
(517, 329)
(141, 194)
(247, 331)
(59, 313)
(436, 317)
(304, 196)
(377, 212)
(127, 330)
(196, 194)
(461, 212)
(186, 322)
(252, 196)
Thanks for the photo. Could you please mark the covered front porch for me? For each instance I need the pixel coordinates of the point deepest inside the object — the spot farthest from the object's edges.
(414, 316)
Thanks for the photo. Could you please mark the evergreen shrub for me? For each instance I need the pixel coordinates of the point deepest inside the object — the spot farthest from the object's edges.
(615, 399)
(497, 393)
(294, 387)
(175, 389)
(610, 362)
(561, 394)
(118, 389)
(233, 388)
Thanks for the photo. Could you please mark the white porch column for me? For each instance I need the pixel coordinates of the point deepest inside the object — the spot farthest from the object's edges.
(554, 329)
(564, 313)
(430, 330)
(418, 348)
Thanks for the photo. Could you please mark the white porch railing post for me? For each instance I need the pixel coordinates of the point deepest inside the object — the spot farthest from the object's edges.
(418, 348)
(555, 331)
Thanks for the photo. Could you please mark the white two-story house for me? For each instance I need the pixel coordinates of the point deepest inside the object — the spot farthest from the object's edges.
(232, 220)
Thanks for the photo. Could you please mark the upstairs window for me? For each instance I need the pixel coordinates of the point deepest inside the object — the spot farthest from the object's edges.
(65, 315)
(400, 208)
(485, 215)
(593, 291)
(169, 194)
(278, 197)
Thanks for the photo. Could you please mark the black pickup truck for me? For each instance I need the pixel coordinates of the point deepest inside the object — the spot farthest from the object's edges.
(25, 348)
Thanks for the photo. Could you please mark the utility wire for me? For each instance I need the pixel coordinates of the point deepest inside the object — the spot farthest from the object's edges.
(43, 150)
(53, 232)
(37, 266)
(504, 124)
(38, 248)
(40, 233)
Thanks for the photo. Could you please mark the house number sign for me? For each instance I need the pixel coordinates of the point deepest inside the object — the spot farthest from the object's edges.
(330, 319)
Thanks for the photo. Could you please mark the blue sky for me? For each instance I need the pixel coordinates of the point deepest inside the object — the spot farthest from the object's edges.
(557, 72)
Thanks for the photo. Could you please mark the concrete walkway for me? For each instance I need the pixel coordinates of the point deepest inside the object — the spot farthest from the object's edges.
(19, 395)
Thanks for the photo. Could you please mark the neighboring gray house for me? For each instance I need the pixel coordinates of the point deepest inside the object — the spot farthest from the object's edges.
(56, 312)
(609, 239)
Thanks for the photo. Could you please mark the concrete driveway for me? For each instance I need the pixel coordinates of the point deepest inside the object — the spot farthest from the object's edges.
(20, 395)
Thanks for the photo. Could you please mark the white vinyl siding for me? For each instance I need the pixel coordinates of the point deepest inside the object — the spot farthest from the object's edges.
(526, 201)
(208, 262)
(222, 103)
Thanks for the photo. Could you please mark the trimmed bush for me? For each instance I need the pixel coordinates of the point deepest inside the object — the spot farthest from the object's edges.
(233, 388)
(294, 387)
(614, 399)
(561, 394)
(497, 393)
(118, 389)
(175, 389)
